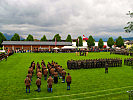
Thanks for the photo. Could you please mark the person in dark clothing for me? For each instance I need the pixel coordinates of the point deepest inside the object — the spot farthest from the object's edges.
(55, 77)
(68, 80)
(106, 68)
(6, 57)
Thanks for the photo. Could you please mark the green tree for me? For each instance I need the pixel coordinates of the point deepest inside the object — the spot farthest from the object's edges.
(80, 41)
(129, 27)
(58, 37)
(2, 38)
(119, 42)
(30, 38)
(110, 42)
(69, 39)
(100, 43)
(43, 38)
(90, 41)
(15, 37)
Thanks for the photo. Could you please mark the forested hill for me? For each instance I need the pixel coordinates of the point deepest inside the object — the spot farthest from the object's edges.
(9, 36)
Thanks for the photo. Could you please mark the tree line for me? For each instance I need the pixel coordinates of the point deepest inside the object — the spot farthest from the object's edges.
(91, 42)
(79, 42)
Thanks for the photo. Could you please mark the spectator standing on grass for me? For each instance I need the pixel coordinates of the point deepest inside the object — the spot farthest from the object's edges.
(27, 84)
(68, 80)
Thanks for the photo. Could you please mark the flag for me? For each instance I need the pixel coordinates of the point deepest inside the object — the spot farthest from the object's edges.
(8, 51)
(55, 41)
(85, 38)
(49, 48)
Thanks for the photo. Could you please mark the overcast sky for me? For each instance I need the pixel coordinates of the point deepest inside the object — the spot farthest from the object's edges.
(102, 18)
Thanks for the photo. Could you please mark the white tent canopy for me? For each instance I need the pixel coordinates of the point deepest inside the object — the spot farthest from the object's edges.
(69, 47)
(2, 51)
(56, 48)
(43, 48)
(118, 48)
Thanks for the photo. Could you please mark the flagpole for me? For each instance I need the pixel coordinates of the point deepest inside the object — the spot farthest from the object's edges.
(55, 42)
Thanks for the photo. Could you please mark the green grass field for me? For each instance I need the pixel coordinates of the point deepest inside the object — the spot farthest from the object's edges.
(87, 84)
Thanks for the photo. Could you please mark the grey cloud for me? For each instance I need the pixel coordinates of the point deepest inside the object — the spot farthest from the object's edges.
(75, 17)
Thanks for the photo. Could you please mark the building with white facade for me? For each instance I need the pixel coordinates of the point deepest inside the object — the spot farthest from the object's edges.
(85, 44)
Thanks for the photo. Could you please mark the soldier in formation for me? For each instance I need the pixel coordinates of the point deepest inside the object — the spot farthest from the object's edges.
(94, 63)
(128, 61)
(38, 83)
(27, 82)
(50, 82)
(106, 68)
(45, 72)
(33, 64)
(28, 79)
(39, 74)
(55, 77)
(63, 76)
(53, 69)
(60, 71)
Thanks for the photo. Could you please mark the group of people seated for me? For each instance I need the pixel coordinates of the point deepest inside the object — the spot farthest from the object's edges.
(121, 52)
(54, 71)
(3, 56)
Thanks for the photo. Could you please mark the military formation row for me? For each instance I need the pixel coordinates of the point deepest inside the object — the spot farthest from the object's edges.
(94, 63)
(54, 71)
(128, 61)
(121, 52)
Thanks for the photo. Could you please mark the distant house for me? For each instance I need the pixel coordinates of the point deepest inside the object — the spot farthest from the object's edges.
(129, 44)
(32, 45)
(85, 43)
(104, 43)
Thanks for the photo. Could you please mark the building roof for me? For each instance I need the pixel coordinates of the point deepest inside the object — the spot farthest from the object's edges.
(36, 43)
(130, 42)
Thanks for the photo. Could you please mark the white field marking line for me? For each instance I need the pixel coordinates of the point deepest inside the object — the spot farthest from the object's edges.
(97, 96)
(77, 94)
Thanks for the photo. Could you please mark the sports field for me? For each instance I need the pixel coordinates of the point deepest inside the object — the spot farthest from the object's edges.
(89, 84)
